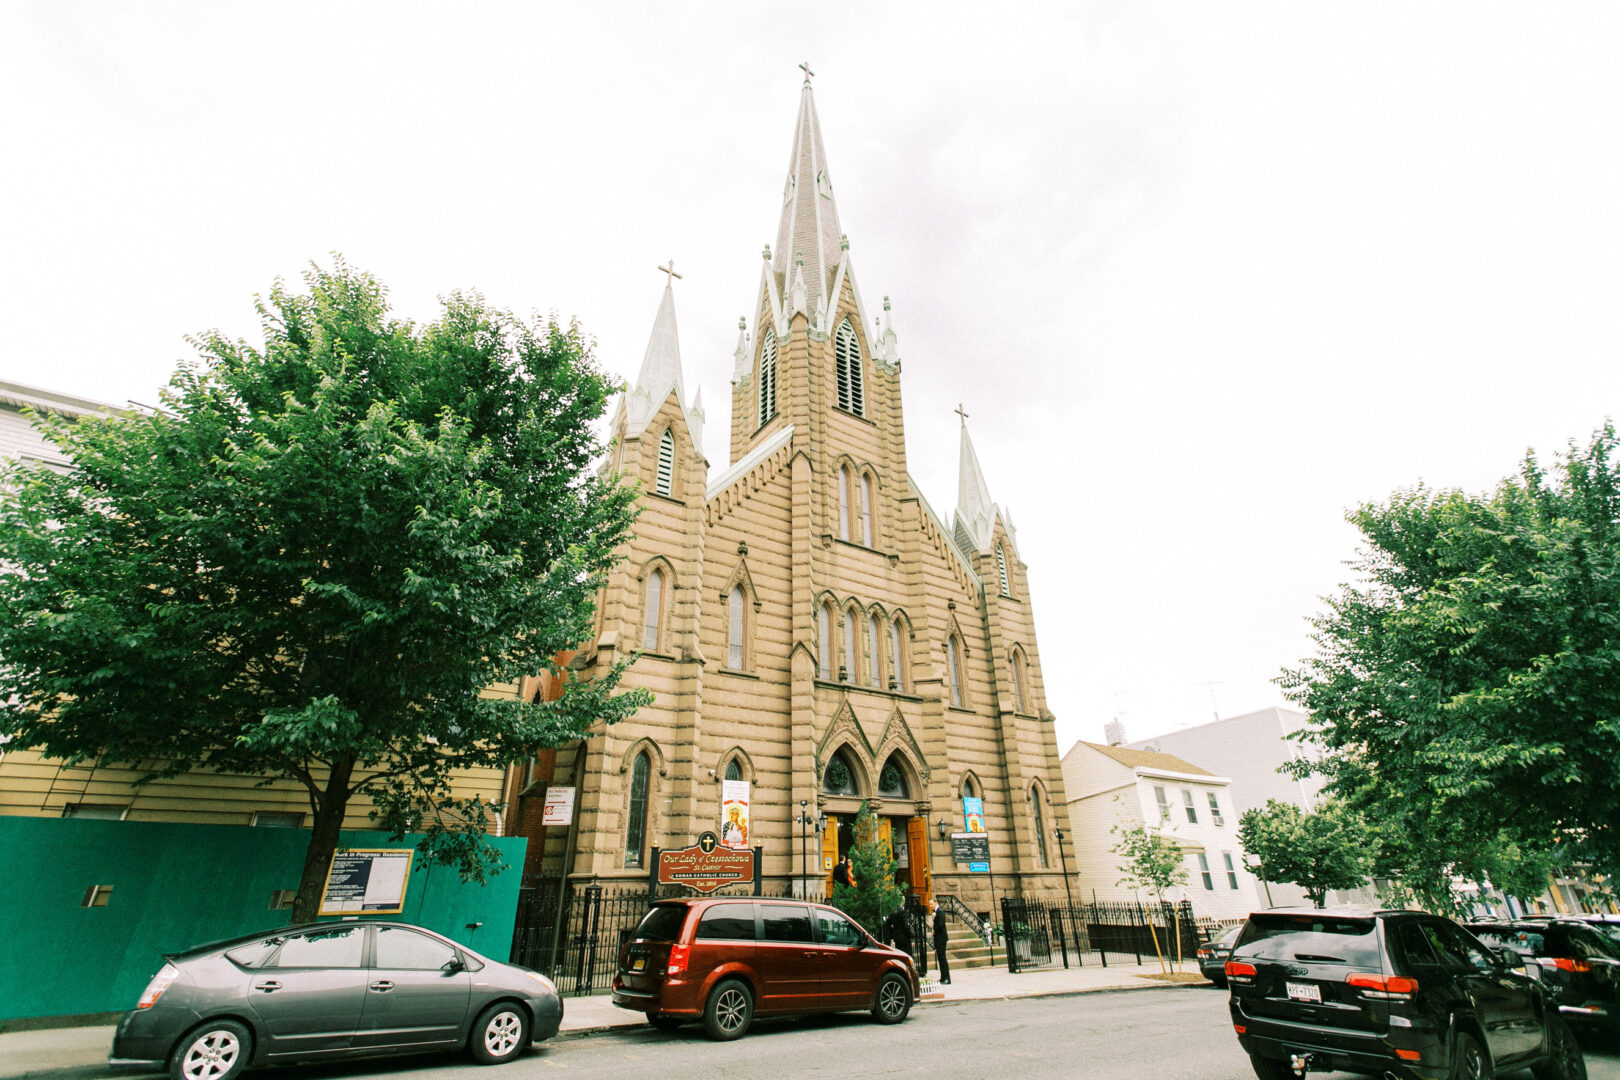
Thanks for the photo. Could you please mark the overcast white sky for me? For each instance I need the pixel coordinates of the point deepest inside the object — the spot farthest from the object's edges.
(1205, 275)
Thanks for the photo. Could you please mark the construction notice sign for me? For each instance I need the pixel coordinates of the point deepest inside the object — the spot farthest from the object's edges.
(366, 881)
(559, 806)
(705, 866)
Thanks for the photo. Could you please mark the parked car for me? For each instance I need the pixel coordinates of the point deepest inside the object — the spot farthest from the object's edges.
(329, 990)
(725, 960)
(1392, 993)
(1603, 922)
(1578, 964)
(1212, 956)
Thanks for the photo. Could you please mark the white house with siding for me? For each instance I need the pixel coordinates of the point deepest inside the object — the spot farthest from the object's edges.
(1113, 786)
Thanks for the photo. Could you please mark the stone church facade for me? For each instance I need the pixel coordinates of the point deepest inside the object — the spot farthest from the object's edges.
(806, 621)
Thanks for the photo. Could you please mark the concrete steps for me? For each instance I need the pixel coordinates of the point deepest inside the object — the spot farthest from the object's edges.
(965, 949)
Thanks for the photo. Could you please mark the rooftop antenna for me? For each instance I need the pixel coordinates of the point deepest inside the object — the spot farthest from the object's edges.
(1210, 686)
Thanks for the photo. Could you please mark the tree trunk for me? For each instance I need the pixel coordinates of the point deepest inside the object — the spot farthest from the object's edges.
(323, 841)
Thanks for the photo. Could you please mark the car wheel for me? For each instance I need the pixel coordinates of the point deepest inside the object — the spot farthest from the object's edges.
(729, 1011)
(500, 1033)
(893, 999)
(214, 1051)
(1468, 1059)
(664, 1021)
(1564, 1058)
(1270, 1068)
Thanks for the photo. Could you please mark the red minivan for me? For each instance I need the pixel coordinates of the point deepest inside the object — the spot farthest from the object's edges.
(728, 958)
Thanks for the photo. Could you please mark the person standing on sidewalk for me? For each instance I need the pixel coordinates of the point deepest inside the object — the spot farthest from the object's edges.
(941, 934)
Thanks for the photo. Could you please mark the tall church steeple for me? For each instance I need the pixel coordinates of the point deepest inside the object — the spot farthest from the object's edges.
(808, 240)
(661, 373)
(975, 512)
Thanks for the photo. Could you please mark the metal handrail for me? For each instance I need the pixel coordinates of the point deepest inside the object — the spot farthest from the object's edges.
(959, 911)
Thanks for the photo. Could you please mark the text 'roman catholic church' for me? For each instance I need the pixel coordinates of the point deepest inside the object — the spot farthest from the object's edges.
(807, 622)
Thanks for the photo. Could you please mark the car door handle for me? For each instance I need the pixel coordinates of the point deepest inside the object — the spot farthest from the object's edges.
(381, 987)
(268, 987)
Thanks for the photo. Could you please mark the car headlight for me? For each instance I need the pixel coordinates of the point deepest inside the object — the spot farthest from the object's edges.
(542, 980)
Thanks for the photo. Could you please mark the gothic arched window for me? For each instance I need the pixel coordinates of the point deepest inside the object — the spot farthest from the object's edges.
(1001, 568)
(635, 832)
(1037, 822)
(847, 671)
(666, 463)
(843, 503)
(953, 666)
(839, 777)
(847, 353)
(767, 377)
(824, 643)
(652, 616)
(874, 653)
(897, 670)
(1020, 698)
(734, 630)
(734, 770)
(892, 780)
(866, 509)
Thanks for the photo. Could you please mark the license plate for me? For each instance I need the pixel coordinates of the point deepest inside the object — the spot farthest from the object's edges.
(638, 963)
(1304, 992)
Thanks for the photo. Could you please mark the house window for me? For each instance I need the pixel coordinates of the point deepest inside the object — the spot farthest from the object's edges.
(866, 509)
(954, 669)
(1215, 810)
(96, 896)
(1164, 803)
(1038, 824)
(95, 811)
(897, 672)
(666, 462)
(874, 648)
(734, 631)
(653, 613)
(767, 377)
(1192, 807)
(843, 504)
(847, 353)
(1231, 871)
(1203, 869)
(824, 641)
(1001, 568)
(848, 672)
(278, 819)
(635, 833)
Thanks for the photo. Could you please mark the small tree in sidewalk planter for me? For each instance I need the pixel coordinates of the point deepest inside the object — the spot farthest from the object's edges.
(874, 896)
(1154, 865)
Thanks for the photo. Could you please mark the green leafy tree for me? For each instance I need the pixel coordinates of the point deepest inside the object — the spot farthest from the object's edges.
(312, 559)
(1466, 685)
(874, 896)
(1329, 849)
(1153, 864)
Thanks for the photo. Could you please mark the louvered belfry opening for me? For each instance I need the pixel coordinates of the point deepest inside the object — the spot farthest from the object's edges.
(847, 350)
(767, 378)
(666, 462)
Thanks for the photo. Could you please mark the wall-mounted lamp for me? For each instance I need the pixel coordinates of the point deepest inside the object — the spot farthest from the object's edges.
(944, 828)
(821, 823)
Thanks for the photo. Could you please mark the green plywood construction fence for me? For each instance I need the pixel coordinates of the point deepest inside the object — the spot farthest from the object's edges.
(174, 886)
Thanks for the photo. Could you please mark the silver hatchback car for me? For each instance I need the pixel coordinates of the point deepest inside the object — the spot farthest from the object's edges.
(331, 990)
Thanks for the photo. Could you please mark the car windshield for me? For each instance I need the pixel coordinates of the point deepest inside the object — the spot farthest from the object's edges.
(662, 923)
(1322, 938)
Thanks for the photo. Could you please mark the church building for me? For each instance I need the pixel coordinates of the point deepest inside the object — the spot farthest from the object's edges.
(807, 622)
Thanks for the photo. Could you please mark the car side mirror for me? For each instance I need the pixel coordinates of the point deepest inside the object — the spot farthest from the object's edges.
(1508, 958)
(453, 966)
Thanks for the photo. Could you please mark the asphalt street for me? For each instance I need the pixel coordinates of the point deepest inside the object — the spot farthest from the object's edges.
(1171, 1034)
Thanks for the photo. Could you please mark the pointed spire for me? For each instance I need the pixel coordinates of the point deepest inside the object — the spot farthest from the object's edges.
(975, 512)
(660, 367)
(742, 359)
(694, 419)
(888, 341)
(809, 225)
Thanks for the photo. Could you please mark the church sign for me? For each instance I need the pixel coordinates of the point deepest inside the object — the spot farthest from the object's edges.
(971, 848)
(705, 866)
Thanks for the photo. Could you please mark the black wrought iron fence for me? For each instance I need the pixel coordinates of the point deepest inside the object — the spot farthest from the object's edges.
(1040, 935)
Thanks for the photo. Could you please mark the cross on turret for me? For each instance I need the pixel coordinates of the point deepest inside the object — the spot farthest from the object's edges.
(670, 270)
(805, 67)
(959, 412)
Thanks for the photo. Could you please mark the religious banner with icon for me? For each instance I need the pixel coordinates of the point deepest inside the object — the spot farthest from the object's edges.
(973, 813)
(734, 814)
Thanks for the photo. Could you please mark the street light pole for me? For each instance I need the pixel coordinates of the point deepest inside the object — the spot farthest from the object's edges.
(1063, 855)
(804, 866)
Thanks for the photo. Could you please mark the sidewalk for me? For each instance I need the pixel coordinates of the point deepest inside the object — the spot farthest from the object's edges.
(82, 1052)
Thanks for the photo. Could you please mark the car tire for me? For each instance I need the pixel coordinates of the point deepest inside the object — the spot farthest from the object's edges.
(500, 1033)
(218, 1050)
(1469, 1061)
(1564, 1058)
(665, 1022)
(729, 1011)
(892, 1001)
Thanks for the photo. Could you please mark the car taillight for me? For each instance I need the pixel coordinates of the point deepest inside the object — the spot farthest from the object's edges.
(1563, 963)
(154, 989)
(1384, 986)
(1240, 1029)
(678, 956)
(1237, 969)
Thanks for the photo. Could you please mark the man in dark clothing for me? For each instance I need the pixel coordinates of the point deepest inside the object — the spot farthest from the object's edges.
(900, 931)
(940, 936)
(841, 871)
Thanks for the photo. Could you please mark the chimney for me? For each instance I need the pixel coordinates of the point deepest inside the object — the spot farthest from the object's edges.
(1114, 731)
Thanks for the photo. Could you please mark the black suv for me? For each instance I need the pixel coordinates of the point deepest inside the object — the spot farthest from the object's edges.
(1398, 993)
(1580, 966)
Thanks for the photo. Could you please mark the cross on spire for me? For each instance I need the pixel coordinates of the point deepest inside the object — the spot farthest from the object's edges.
(805, 67)
(959, 412)
(670, 270)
